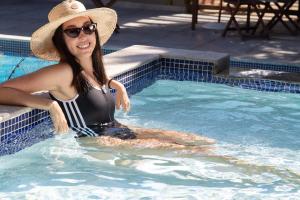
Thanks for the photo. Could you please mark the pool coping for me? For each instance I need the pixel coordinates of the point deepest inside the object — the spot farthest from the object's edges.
(137, 55)
(14, 37)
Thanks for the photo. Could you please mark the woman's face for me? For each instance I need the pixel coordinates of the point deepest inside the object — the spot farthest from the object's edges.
(83, 45)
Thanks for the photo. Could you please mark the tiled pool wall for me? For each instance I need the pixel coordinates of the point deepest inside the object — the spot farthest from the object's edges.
(15, 47)
(250, 64)
(137, 79)
(16, 134)
(258, 84)
(199, 71)
(185, 70)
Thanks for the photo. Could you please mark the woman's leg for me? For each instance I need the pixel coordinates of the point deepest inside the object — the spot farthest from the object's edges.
(160, 139)
(154, 146)
(187, 139)
(155, 140)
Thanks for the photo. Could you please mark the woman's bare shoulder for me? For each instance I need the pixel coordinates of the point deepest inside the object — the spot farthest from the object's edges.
(61, 72)
(59, 68)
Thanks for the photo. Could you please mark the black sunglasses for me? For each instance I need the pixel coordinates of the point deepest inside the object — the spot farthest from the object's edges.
(75, 32)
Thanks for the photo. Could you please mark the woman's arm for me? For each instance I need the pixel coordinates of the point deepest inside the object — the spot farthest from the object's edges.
(121, 95)
(13, 96)
(19, 92)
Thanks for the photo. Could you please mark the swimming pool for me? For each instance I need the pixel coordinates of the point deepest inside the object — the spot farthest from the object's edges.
(258, 128)
(250, 127)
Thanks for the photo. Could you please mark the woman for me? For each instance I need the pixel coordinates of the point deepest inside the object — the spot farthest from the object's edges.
(78, 84)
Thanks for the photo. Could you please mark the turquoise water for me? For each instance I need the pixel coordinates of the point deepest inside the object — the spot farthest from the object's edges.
(258, 131)
(26, 65)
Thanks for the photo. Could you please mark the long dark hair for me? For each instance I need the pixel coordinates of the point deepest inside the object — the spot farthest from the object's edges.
(79, 82)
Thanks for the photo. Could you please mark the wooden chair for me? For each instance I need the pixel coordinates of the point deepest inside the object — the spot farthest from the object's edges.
(235, 6)
(195, 6)
(282, 10)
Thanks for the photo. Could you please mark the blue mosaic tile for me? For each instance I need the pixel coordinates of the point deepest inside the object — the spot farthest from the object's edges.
(25, 138)
(174, 64)
(13, 130)
(264, 66)
(15, 47)
(137, 79)
(258, 84)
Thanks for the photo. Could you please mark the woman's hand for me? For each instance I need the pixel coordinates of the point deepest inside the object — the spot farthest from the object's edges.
(121, 95)
(58, 118)
(122, 99)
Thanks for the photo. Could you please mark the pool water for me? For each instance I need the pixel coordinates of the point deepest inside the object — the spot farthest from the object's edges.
(258, 129)
(12, 66)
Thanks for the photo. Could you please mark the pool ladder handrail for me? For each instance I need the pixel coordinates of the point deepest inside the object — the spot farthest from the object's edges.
(14, 69)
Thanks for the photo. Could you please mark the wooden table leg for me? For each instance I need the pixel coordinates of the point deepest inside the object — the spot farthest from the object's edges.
(298, 11)
(194, 13)
(220, 11)
(248, 18)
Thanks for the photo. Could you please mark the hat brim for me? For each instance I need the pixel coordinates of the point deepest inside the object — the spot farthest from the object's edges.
(41, 40)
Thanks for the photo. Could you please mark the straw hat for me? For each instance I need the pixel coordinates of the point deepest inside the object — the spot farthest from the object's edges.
(41, 40)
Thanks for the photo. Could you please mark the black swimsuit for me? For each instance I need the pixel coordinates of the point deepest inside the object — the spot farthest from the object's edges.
(92, 114)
